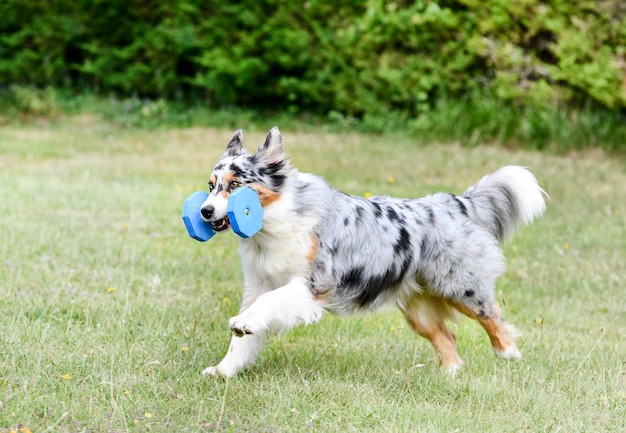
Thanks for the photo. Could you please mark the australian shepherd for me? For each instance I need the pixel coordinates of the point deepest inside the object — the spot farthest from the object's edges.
(323, 250)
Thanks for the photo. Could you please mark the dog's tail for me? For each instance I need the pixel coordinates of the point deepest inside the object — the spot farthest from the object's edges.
(503, 200)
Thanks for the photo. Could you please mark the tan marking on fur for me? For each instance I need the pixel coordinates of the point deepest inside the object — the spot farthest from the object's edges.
(323, 296)
(224, 194)
(493, 324)
(228, 178)
(426, 316)
(315, 244)
(500, 339)
(266, 195)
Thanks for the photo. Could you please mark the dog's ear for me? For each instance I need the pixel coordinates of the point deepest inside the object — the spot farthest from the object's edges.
(235, 145)
(272, 150)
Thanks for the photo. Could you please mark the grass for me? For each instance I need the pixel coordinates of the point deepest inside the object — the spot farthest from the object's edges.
(109, 311)
(474, 119)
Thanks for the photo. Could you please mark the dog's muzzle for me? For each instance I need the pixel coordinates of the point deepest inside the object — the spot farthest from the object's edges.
(218, 225)
(221, 224)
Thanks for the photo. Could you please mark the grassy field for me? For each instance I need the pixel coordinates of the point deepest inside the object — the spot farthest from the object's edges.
(109, 312)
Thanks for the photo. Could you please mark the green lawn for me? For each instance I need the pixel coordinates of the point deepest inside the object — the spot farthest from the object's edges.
(109, 311)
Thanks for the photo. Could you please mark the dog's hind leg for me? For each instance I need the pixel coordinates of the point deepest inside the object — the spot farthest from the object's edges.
(501, 333)
(426, 315)
(241, 354)
(279, 309)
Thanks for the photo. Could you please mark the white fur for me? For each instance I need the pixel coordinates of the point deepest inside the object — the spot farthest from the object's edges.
(527, 190)
(241, 354)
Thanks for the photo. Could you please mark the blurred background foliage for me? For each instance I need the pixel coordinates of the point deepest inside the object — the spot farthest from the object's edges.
(377, 62)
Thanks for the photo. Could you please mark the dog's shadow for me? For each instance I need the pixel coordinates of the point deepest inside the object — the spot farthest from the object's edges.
(327, 351)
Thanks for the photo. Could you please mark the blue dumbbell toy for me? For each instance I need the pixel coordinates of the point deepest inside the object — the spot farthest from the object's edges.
(244, 213)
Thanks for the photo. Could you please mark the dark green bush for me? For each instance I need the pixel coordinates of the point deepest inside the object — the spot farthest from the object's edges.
(363, 59)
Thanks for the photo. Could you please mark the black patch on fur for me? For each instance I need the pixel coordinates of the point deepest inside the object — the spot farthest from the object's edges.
(406, 265)
(404, 242)
(371, 288)
(505, 214)
(468, 293)
(352, 278)
(423, 246)
(237, 171)
(431, 215)
(333, 250)
(459, 204)
(497, 218)
(346, 221)
(392, 214)
(360, 212)
(278, 179)
(272, 171)
(378, 212)
(219, 166)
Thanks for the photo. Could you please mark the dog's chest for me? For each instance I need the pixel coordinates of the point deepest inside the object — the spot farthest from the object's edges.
(276, 260)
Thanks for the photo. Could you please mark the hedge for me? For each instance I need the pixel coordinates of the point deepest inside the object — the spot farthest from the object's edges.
(354, 57)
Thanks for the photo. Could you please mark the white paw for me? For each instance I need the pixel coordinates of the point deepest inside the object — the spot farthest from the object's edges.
(453, 369)
(242, 325)
(511, 353)
(218, 371)
(210, 371)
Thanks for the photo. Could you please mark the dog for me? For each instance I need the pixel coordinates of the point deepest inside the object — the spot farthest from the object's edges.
(321, 250)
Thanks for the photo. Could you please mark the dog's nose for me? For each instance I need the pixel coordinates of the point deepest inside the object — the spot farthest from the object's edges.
(207, 212)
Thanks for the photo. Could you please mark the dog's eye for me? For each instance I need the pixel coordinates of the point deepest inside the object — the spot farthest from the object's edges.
(234, 184)
(211, 186)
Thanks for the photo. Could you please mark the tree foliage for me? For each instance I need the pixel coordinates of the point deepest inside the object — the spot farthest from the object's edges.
(357, 58)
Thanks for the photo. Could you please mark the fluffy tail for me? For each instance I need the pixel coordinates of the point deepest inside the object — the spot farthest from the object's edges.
(503, 200)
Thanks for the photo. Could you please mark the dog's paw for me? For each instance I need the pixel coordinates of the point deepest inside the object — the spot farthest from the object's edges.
(239, 329)
(240, 326)
(218, 371)
(210, 371)
(453, 369)
(511, 353)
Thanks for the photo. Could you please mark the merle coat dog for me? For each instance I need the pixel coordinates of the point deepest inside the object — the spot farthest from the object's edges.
(322, 250)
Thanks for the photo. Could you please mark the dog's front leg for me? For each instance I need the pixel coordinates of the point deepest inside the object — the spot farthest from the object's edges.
(278, 310)
(273, 311)
(241, 354)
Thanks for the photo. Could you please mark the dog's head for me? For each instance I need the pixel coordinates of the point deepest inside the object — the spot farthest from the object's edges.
(265, 172)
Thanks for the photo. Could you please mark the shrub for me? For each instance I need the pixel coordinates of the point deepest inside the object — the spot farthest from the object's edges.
(362, 59)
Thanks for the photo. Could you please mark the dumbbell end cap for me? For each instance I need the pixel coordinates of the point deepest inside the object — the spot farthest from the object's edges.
(197, 228)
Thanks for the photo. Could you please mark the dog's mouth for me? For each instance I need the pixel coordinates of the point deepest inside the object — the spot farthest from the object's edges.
(221, 224)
